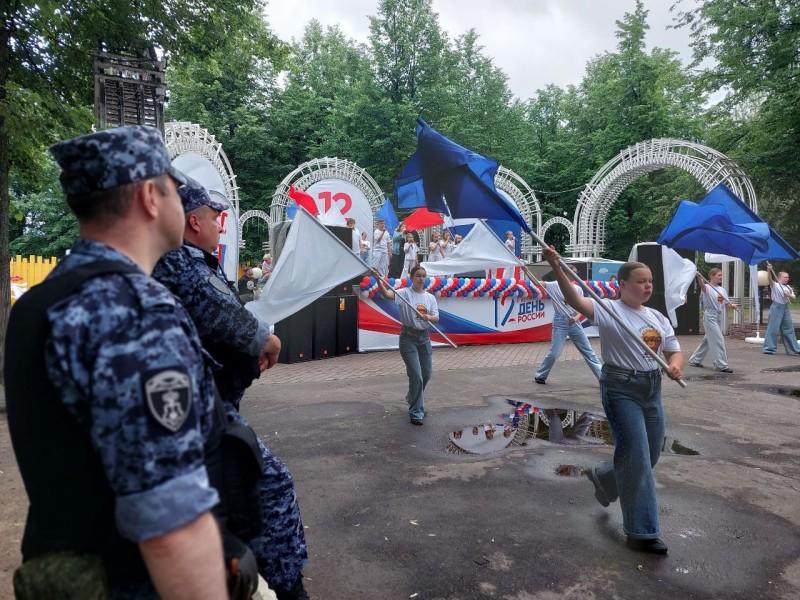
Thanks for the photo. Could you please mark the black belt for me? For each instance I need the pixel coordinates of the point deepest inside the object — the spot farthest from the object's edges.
(413, 330)
(614, 369)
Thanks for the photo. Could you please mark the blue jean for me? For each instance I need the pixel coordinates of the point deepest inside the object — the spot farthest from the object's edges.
(415, 348)
(632, 402)
(713, 341)
(780, 325)
(562, 329)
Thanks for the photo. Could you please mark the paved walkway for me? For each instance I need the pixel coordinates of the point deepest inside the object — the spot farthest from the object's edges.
(388, 362)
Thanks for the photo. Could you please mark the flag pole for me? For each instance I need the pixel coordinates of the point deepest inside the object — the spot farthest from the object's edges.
(367, 268)
(565, 267)
(525, 269)
(412, 307)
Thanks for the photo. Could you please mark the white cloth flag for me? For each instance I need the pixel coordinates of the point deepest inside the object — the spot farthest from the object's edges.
(718, 258)
(679, 274)
(479, 250)
(334, 216)
(312, 261)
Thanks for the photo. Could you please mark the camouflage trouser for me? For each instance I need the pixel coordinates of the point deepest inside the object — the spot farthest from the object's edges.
(62, 575)
(281, 548)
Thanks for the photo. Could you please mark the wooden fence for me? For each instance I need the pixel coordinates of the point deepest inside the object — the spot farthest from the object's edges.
(28, 271)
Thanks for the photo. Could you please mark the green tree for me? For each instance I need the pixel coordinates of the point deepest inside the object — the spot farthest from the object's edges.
(748, 51)
(46, 77)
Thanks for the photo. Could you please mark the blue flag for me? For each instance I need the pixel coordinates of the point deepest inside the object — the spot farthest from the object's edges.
(442, 175)
(723, 224)
(386, 212)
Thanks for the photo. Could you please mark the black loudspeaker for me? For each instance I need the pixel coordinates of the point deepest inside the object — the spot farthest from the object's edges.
(324, 310)
(295, 333)
(650, 254)
(689, 314)
(346, 325)
(345, 235)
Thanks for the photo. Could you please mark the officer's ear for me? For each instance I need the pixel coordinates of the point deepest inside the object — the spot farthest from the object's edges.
(145, 195)
(193, 221)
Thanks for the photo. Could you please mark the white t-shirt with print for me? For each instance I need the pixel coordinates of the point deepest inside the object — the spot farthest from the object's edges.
(781, 294)
(618, 349)
(552, 289)
(424, 302)
(714, 297)
(410, 250)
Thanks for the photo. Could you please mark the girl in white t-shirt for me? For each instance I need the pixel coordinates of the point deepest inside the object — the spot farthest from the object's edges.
(631, 391)
(447, 245)
(415, 343)
(715, 300)
(780, 316)
(435, 252)
(410, 250)
(511, 242)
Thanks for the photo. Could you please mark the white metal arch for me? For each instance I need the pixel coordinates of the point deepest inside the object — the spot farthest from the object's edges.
(557, 221)
(707, 165)
(252, 214)
(318, 169)
(521, 193)
(182, 136)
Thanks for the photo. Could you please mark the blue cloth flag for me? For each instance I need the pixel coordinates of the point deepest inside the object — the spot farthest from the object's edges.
(386, 212)
(723, 224)
(442, 175)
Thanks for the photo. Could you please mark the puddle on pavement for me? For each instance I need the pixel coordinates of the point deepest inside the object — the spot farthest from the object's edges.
(713, 377)
(789, 369)
(772, 389)
(521, 421)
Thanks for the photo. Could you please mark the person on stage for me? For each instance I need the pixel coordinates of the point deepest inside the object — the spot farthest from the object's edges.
(435, 251)
(630, 386)
(410, 250)
(381, 248)
(566, 324)
(415, 343)
(447, 245)
(714, 300)
(780, 317)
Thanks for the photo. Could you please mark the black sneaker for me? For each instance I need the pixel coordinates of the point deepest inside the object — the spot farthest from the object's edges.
(698, 365)
(599, 493)
(655, 546)
(725, 370)
(539, 380)
(415, 421)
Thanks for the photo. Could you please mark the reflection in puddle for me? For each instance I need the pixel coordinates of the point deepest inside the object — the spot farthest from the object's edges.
(523, 421)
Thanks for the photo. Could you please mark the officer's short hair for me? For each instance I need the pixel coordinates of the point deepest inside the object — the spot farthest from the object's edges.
(109, 205)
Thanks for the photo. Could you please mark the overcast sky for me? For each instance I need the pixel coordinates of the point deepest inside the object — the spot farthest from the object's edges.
(535, 42)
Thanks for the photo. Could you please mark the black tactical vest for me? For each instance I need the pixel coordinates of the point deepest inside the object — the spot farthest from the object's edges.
(71, 501)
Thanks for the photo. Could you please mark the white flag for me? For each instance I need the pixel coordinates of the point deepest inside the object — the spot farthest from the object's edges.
(481, 249)
(333, 216)
(312, 261)
(679, 275)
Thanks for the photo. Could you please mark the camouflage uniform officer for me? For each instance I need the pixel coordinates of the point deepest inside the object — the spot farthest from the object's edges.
(111, 445)
(244, 347)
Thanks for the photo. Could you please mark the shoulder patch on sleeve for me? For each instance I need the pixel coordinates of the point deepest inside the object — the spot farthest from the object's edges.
(168, 394)
(220, 285)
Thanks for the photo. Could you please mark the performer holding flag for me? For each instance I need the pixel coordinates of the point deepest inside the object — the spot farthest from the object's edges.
(630, 385)
(415, 343)
(714, 300)
(780, 317)
(566, 324)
